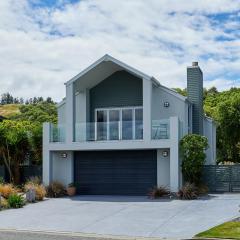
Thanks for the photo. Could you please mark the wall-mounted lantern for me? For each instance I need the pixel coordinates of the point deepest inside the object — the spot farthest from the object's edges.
(63, 155)
(165, 153)
(166, 104)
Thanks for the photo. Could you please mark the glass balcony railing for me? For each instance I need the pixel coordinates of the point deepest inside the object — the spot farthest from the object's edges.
(108, 131)
(57, 133)
(160, 129)
(111, 131)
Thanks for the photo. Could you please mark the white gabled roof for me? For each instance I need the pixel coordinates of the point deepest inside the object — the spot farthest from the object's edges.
(108, 58)
(107, 64)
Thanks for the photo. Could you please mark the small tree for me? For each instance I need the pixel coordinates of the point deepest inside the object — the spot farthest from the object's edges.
(193, 148)
(14, 144)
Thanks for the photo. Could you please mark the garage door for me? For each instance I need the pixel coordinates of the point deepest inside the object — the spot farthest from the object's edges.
(115, 172)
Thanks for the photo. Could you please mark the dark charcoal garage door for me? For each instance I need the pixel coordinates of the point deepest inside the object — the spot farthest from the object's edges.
(115, 172)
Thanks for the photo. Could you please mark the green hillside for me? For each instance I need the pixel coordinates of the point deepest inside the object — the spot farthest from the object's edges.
(9, 110)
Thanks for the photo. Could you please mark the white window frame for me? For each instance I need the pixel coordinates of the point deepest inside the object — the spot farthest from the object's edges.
(120, 109)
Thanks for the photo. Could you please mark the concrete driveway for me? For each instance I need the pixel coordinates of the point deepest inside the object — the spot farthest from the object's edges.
(128, 216)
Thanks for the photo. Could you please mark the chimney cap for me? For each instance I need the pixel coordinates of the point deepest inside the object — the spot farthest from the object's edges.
(194, 64)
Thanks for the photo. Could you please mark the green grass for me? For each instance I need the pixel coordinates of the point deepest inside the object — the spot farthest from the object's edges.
(9, 110)
(226, 230)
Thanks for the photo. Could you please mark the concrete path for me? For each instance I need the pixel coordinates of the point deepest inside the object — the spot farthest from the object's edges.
(124, 216)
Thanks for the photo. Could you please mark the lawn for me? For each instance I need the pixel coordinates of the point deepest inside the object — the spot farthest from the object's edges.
(226, 230)
(9, 110)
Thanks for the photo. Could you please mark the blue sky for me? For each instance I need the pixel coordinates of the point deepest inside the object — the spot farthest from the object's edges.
(51, 3)
(48, 42)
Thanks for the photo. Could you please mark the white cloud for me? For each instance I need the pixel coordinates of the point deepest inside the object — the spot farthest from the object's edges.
(41, 48)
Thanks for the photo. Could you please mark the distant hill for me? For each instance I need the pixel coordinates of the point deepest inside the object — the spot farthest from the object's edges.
(9, 110)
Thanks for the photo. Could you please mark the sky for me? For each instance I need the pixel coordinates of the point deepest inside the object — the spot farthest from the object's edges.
(44, 43)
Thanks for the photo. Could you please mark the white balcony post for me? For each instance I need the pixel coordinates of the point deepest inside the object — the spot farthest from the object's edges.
(95, 131)
(119, 130)
(69, 113)
(46, 155)
(81, 111)
(174, 155)
(147, 112)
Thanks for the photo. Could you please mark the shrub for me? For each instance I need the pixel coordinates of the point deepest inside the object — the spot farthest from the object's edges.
(35, 180)
(6, 190)
(158, 192)
(193, 148)
(39, 190)
(55, 190)
(4, 203)
(16, 201)
(188, 191)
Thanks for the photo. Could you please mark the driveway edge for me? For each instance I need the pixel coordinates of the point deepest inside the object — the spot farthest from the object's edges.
(79, 234)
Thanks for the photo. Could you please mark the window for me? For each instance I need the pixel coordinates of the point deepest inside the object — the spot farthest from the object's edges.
(114, 118)
(119, 123)
(127, 124)
(101, 123)
(139, 123)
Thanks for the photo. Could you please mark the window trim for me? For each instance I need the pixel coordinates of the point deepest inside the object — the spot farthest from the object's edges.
(133, 108)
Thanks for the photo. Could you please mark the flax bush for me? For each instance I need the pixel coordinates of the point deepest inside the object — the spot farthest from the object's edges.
(55, 190)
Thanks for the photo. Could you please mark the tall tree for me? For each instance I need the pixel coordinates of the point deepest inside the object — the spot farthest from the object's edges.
(7, 98)
(223, 107)
(228, 117)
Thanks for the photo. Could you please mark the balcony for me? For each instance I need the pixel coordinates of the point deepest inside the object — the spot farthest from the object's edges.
(108, 131)
(160, 129)
(111, 131)
(57, 133)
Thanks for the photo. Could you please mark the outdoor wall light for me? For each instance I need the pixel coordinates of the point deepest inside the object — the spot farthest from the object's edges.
(166, 104)
(165, 153)
(63, 155)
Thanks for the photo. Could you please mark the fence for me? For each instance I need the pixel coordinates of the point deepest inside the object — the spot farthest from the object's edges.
(26, 172)
(30, 171)
(2, 172)
(222, 178)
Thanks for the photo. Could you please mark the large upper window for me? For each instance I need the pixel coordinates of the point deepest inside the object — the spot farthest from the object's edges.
(119, 123)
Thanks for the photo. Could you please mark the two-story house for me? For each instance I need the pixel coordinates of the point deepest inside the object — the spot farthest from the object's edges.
(118, 130)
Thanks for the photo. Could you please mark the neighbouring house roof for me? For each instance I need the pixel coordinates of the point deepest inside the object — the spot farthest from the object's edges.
(61, 103)
(209, 119)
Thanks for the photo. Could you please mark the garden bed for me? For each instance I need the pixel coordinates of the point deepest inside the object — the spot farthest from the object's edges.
(12, 196)
(33, 191)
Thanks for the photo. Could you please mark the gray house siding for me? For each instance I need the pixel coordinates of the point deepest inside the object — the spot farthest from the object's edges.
(177, 107)
(118, 90)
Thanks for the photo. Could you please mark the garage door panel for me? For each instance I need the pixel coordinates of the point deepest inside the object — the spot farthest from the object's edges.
(115, 172)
